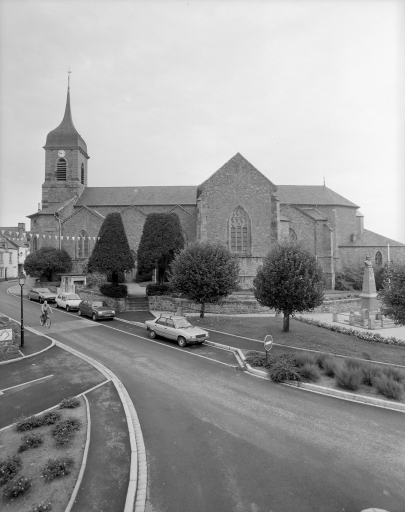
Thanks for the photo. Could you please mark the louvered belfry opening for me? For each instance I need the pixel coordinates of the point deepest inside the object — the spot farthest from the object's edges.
(82, 174)
(61, 168)
(239, 231)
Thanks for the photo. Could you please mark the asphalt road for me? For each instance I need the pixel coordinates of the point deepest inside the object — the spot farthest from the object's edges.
(220, 440)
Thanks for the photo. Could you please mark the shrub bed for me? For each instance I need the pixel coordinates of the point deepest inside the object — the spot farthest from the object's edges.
(9, 468)
(69, 403)
(56, 468)
(31, 440)
(349, 374)
(366, 335)
(17, 488)
(158, 289)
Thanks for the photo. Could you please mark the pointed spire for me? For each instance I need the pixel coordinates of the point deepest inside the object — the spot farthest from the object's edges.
(65, 135)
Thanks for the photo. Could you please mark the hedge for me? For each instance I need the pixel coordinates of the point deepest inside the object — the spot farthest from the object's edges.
(366, 335)
(119, 291)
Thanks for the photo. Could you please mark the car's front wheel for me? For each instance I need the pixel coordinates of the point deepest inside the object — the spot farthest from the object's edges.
(80, 312)
(94, 317)
(41, 300)
(57, 305)
(67, 308)
(181, 341)
(152, 335)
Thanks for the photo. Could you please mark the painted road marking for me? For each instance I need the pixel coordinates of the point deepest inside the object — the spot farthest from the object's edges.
(25, 384)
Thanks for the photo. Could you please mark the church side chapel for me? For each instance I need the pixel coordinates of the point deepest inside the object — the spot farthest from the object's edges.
(237, 205)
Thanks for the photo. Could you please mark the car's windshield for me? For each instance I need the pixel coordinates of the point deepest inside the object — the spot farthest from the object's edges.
(43, 290)
(72, 296)
(182, 322)
(99, 304)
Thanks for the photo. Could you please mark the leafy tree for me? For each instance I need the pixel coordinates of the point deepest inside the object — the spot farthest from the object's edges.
(47, 261)
(204, 272)
(111, 252)
(161, 239)
(290, 280)
(392, 295)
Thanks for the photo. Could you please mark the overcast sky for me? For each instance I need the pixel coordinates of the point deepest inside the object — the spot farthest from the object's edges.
(164, 93)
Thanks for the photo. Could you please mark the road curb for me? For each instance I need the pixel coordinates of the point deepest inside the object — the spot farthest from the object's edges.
(337, 393)
(84, 460)
(30, 355)
(136, 498)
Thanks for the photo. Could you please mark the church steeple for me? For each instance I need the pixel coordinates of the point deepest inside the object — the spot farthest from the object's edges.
(65, 161)
(65, 136)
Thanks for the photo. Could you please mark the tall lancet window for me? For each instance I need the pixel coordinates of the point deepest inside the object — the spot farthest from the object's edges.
(61, 168)
(239, 231)
(82, 245)
(82, 174)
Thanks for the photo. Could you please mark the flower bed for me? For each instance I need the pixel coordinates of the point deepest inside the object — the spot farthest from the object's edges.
(351, 375)
(366, 335)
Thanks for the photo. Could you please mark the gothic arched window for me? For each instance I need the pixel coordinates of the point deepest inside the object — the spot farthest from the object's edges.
(239, 231)
(82, 174)
(82, 244)
(292, 234)
(61, 169)
(378, 258)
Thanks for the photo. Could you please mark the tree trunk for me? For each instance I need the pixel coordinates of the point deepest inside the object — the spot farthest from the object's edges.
(286, 322)
(114, 278)
(202, 310)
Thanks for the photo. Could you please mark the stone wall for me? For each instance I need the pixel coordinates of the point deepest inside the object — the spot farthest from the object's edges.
(117, 304)
(226, 306)
(232, 306)
(9, 349)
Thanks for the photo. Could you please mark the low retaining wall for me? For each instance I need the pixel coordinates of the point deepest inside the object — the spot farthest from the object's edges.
(339, 306)
(226, 306)
(232, 306)
(117, 304)
(9, 348)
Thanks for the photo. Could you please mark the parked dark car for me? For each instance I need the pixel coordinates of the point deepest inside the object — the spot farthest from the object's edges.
(96, 309)
(41, 294)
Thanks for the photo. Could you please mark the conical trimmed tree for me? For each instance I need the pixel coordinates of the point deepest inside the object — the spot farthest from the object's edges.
(161, 240)
(111, 253)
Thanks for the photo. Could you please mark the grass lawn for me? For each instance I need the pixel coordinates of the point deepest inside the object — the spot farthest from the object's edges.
(304, 336)
(57, 491)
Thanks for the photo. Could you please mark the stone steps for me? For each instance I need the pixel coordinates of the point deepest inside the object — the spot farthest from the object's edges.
(136, 304)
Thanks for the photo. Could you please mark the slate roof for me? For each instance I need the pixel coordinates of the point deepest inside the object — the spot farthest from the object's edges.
(65, 135)
(311, 194)
(314, 213)
(140, 196)
(370, 239)
(52, 209)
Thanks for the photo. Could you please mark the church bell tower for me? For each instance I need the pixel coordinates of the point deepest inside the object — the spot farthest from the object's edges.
(65, 162)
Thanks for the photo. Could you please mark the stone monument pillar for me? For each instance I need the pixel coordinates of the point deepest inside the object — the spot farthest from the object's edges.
(368, 294)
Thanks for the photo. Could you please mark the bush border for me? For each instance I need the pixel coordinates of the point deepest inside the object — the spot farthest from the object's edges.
(367, 335)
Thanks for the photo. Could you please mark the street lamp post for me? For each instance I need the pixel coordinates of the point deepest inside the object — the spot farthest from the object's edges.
(21, 280)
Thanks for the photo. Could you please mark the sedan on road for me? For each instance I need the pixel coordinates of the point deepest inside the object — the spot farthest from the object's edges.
(41, 294)
(69, 301)
(176, 328)
(96, 309)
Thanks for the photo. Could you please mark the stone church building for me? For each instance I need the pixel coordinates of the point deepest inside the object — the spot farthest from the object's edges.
(237, 205)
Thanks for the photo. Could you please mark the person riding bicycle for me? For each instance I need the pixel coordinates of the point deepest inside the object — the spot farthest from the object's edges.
(46, 309)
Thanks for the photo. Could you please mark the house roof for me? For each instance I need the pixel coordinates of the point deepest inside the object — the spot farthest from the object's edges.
(311, 194)
(370, 239)
(140, 196)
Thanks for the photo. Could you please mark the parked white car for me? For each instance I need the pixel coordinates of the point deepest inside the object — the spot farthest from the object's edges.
(176, 328)
(69, 301)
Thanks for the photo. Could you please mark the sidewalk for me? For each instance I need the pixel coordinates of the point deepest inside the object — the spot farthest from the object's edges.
(32, 385)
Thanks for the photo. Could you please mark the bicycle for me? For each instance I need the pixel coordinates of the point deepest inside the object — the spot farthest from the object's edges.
(46, 321)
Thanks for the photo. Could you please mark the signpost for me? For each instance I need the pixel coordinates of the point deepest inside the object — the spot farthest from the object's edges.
(268, 343)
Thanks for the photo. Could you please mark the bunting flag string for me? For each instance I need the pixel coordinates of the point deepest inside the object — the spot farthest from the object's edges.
(23, 236)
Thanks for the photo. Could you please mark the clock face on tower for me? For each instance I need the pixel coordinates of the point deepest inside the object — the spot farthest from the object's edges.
(61, 153)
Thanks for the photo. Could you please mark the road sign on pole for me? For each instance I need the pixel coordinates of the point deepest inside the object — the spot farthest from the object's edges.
(268, 343)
